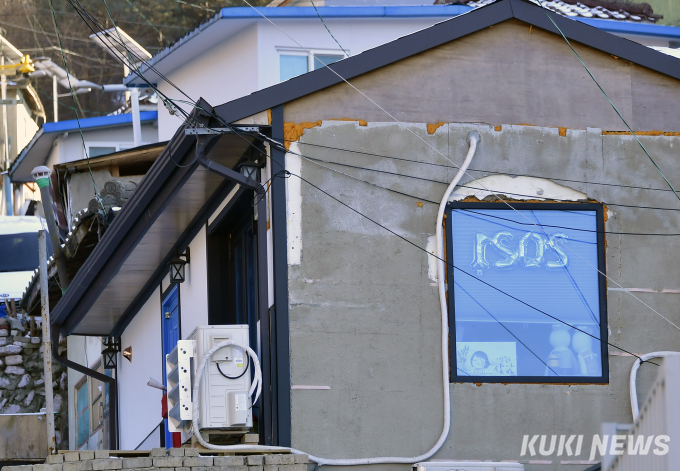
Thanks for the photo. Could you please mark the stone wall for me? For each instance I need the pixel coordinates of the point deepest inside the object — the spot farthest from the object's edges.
(22, 382)
(160, 459)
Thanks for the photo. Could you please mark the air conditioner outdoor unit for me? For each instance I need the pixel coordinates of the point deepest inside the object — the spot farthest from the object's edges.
(467, 466)
(224, 402)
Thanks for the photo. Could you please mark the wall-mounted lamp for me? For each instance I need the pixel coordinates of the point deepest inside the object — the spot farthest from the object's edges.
(177, 267)
(110, 352)
(127, 353)
(249, 169)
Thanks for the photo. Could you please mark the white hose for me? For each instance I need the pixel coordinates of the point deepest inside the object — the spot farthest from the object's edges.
(257, 383)
(473, 139)
(635, 408)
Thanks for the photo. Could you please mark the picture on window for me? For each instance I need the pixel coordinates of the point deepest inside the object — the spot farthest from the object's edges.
(528, 301)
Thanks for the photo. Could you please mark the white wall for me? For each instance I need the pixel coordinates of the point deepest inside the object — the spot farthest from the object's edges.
(139, 404)
(219, 75)
(69, 146)
(193, 293)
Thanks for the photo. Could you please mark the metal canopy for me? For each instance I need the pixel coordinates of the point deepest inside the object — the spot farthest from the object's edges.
(169, 207)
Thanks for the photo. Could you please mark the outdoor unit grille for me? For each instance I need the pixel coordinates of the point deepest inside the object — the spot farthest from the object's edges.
(224, 402)
(178, 368)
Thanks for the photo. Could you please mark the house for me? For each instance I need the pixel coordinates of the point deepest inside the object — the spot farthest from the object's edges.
(560, 261)
(23, 110)
(62, 142)
(85, 219)
(238, 51)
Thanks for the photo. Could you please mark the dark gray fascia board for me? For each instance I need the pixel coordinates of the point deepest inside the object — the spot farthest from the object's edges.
(139, 212)
(442, 33)
(597, 39)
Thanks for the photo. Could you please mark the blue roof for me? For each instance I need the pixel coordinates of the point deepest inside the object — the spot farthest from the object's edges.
(640, 29)
(37, 151)
(429, 11)
(98, 122)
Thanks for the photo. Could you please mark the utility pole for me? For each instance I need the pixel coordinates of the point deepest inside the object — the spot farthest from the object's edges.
(55, 101)
(7, 185)
(47, 344)
(136, 120)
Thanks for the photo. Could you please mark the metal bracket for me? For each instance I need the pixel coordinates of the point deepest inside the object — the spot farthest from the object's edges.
(195, 131)
(11, 102)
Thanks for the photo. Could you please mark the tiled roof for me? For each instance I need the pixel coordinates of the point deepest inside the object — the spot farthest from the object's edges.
(602, 9)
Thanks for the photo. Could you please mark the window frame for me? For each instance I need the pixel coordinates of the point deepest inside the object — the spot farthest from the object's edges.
(602, 293)
(83, 383)
(309, 54)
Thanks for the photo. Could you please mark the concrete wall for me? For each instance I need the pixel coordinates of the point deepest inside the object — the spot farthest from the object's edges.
(504, 74)
(140, 405)
(364, 314)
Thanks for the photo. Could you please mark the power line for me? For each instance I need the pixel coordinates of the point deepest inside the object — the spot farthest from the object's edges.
(493, 192)
(455, 267)
(73, 96)
(329, 31)
(607, 97)
(281, 147)
(491, 172)
(446, 158)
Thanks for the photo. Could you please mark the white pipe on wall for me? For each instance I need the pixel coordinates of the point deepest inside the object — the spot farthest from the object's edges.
(473, 140)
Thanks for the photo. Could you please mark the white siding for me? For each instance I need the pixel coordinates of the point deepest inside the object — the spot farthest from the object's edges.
(140, 405)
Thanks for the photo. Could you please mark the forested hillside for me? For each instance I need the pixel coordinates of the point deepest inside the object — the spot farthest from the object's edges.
(155, 24)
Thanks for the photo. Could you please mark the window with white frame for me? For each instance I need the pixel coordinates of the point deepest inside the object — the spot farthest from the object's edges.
(526, 301)
(297, 62)
(97, 149)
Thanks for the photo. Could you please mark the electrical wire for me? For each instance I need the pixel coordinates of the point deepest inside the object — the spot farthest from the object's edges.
(607, 97)
(458, 268)
(329, 31)
(314, 160)
(490, 172)
(425, 142)
(454, 164)
(73, 96)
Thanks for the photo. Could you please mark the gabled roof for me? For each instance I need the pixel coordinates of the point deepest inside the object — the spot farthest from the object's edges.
(442, 33)
(167, 184)
(38, 150)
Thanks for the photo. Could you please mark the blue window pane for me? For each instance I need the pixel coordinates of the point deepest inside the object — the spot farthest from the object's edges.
(292, 66)
(556, 273)
(322, 60)
(83, 425)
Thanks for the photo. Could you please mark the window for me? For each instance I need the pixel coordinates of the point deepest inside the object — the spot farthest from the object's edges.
(82, 413)
(294, 63)
(96, 400)
(95, 151)
(528, 304)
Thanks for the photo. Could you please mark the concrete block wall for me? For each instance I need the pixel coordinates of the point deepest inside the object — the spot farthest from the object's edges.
(160, 459)
(22, 382)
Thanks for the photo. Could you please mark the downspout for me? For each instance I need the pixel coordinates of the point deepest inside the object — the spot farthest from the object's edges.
(41, 175)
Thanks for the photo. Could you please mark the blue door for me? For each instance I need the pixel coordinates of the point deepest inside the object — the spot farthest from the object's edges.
(170, 326)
